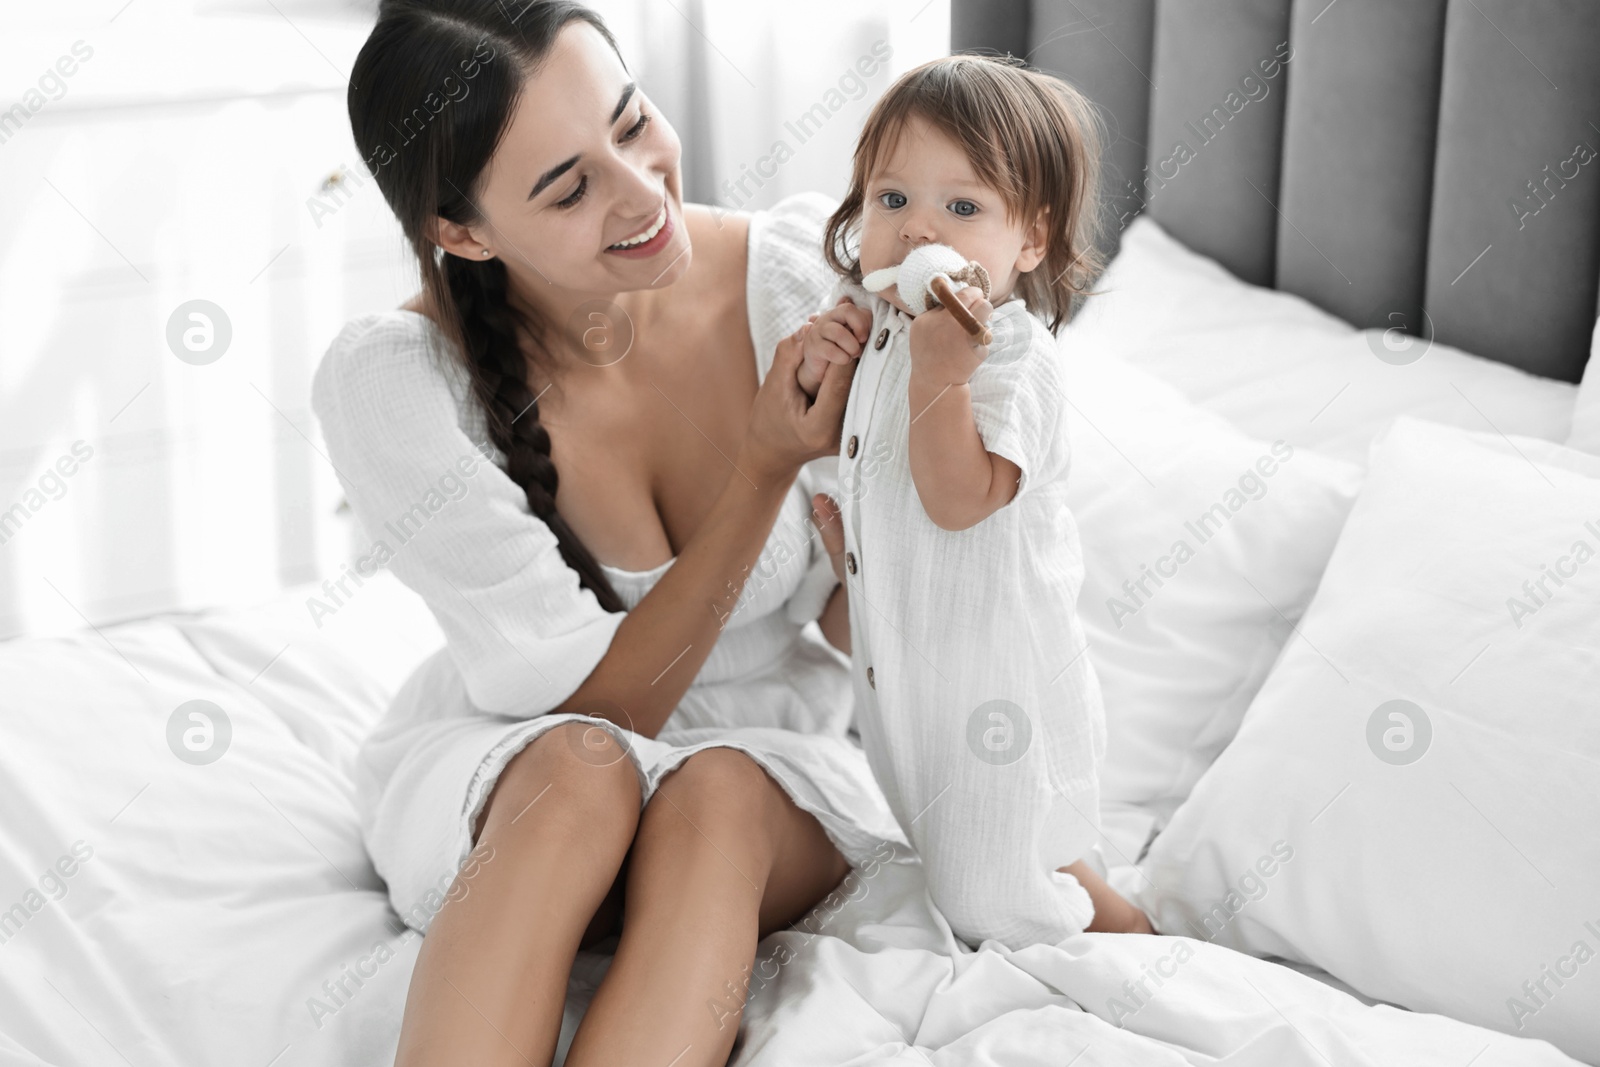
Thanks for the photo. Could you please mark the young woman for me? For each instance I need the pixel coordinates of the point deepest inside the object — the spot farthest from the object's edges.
(629, 727)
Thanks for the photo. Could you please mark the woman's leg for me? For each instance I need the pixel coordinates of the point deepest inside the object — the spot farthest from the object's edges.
(722, 858)
(491, 977)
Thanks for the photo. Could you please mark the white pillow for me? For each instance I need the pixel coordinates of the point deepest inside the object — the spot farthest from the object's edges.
(1586, 415)
(1445, 883)
(1277, 366)
(1180, 656)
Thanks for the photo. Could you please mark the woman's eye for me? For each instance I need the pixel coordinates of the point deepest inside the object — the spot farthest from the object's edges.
(637, 128)
(576, 195)
(630, 134)
(965, 208)
(892, 200)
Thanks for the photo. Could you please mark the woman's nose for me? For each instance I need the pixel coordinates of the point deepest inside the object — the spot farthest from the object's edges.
(639, 188)
(639, 194)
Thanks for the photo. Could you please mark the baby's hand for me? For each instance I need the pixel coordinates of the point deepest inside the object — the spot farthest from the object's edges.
(942, 351)
(835, 336)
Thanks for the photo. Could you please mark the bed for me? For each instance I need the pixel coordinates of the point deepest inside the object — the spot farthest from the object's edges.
(1349, 777)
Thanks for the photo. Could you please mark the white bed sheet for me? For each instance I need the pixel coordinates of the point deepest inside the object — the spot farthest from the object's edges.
(219, 899)
(215, 900)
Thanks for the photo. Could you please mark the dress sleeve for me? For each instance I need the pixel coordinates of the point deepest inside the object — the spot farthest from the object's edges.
(786, 279)
(1017, 399)
(451, 524)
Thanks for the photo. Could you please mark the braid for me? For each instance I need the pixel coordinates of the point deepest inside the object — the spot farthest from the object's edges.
(417, 49)
(489, 329)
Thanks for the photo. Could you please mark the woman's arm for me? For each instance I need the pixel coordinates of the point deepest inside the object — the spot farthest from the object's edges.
(662, 643)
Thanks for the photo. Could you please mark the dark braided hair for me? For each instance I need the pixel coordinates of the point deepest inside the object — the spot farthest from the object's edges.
(431, 94)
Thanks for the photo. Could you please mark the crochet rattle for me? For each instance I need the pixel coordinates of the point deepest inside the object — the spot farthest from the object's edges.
(939, 272)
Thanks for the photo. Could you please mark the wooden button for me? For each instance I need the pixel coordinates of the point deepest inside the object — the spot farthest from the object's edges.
(850, 562)
(883, 339)
(869, 679)
(850, 449)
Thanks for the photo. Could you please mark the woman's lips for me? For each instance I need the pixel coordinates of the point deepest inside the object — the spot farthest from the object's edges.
(646, 249)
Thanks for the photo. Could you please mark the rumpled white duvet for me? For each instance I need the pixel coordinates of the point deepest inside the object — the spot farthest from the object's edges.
(226, 913)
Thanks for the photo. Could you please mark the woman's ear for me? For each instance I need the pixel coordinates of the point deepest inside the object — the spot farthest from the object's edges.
(458, 240)
(1035, 242)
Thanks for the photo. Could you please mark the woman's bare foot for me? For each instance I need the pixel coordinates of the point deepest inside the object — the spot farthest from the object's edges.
(1113, 913)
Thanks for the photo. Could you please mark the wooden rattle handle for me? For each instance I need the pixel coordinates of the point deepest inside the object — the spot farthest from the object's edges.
(940, 288)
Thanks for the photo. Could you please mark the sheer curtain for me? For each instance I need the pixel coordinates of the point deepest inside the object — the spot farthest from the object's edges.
(199, 151)
(769, 97)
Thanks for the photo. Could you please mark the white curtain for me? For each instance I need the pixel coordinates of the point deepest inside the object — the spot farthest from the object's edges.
(189, 156)
(768, 96)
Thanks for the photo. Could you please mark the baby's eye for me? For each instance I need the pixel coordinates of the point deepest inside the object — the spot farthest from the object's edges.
(965, 208)
(892, 200)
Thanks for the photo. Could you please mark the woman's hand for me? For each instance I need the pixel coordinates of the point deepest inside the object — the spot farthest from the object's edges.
(787, 429)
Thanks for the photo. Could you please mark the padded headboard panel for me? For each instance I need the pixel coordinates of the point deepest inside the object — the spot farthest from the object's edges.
(1431, 162)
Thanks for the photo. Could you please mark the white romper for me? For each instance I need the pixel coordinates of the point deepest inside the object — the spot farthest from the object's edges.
(977, 705)
(398, 415)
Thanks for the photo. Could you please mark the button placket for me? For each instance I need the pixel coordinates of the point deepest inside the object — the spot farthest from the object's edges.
(862, 405)
(878, 360)
(886, 329)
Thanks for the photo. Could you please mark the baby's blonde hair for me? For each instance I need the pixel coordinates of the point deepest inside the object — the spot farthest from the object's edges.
(1032, 138)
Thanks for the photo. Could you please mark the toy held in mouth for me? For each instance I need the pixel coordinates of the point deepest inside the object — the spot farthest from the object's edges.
(930, 276)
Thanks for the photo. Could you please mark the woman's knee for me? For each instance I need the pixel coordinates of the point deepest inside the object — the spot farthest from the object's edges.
(717, 789)
(577, 774)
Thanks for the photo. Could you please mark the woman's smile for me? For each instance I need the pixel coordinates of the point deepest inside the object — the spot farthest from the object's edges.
(650, 240)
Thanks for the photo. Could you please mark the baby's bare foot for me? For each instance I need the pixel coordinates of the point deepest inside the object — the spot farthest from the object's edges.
(1120, 917)
(1141, 923)
(1113, 912)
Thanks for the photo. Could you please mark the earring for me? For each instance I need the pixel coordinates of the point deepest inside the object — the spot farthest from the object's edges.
(485, 251)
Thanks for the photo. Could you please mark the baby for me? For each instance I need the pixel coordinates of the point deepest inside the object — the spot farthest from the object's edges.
(978, 709)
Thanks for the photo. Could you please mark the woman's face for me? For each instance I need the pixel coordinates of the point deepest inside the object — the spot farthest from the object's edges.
(583, 195)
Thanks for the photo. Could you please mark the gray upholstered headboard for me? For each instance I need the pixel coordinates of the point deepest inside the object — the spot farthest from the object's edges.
(1437, 156)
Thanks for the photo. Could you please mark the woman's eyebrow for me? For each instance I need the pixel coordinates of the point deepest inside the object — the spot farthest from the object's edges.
(561, 168)
(622, 102)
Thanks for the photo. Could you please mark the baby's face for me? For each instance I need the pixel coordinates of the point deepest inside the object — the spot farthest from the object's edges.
(926, 192)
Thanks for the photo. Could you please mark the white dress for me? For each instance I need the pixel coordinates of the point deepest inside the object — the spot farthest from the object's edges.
(977, 705)
(398, 415)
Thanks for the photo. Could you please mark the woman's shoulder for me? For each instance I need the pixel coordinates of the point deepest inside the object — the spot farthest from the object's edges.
(787, 279)
(398, 351)
(790, 232)
(404, 330)
(787, 234)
